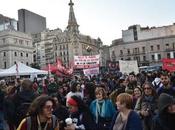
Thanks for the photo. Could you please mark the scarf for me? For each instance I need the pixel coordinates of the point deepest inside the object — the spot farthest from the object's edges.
(100, 109)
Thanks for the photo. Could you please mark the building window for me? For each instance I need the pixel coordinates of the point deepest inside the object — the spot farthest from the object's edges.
(128, 51)
(15, 53)
(158, 47)
(3, 40)
(20, 41)
(21, 54)
(27, 63)
(64, 53)
(4, 53)
(152, 57)
(144, 58)
(159, 56)
(121, 52)
(143, 49)
(173, 45)
(168, 55)
(5, 65)
(60, 54)
(152, 48)
(27, 42)
(121, 58)
(27, 55)
(167, 46)
(60, 47)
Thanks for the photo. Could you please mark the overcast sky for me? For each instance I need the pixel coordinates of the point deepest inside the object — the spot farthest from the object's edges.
(98, 18)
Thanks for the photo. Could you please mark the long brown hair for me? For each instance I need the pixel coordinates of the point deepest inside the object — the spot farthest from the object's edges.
(37, 105)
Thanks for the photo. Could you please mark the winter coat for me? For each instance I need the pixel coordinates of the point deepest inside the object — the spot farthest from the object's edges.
(164, 120)
(133, 122)
(102, 119)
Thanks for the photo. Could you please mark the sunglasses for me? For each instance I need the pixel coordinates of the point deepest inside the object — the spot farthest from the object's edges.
(48, 107)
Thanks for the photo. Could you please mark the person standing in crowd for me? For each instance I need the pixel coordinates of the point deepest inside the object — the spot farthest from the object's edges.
(147, 105)
(80, 115)
(52, 87)
(125, 118)
(23, 99)
(40, 115)
(137, 95)
(60, 111)
(167, 86)
(73, 91)
(132, 83)
(102, 109)
(165, 118)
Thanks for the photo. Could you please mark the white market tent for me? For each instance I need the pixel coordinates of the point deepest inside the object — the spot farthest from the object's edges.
(22, 70)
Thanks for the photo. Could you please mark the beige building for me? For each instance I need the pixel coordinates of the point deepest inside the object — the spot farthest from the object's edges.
(65, 44)
(146, 45)
(15, 47)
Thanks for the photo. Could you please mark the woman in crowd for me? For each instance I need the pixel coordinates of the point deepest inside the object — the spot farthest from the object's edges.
(147, 105)
(102, 109)
(60, 111)
(73, 91)
(40, 115)
(80, 115)
(137, 95)
(125, 118)
(165, 118)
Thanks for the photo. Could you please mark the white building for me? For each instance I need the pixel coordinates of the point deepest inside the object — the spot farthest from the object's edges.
(14, 47)
(146, 45)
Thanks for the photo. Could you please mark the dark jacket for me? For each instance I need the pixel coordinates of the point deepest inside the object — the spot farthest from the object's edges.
(83, 118)
(164, 120)
(133, 122)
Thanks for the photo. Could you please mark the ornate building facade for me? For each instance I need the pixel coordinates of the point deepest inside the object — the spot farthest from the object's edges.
(146, 45)
(15, 47)
(64, 44)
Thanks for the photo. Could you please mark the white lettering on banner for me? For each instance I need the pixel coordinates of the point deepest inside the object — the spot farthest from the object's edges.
(128, 66)
(92, 71)
(86, 61)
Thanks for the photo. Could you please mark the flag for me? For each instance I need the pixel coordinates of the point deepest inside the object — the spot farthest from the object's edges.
(168, 64)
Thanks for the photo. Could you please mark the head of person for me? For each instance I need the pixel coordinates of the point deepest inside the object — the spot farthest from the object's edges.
(27, 85)
(132, 77)
(73, 87)
(100, 93)
(137, 92)
(165, 79)
(42, 106)
(166, 104)
(124, 101)
(148, 89)
(75, 104)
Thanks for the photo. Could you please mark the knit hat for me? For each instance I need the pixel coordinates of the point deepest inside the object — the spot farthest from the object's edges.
(164, 101)
(72, 102)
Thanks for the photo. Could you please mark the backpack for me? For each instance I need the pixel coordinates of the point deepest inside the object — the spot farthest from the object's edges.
(54, 122)
(21, 111)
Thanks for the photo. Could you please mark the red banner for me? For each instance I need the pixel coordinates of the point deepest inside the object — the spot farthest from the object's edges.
(168, 64)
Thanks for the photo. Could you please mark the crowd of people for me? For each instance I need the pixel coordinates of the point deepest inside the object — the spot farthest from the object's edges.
(105, 102)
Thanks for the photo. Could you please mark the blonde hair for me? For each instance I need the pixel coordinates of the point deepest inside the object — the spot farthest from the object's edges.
(101, 90)
(125, 98)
